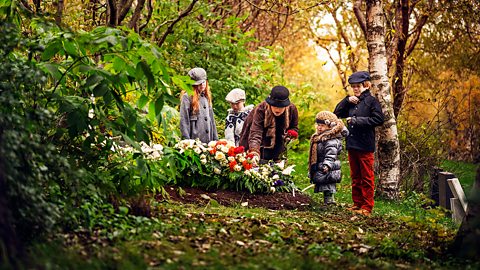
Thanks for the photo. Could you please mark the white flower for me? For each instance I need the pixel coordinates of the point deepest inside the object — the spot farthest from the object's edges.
(203, 161)
(219, 156)
(217, 171)
(230, 159)
(275, 177)
(155, 155)
(197, 150)
(212, 144)
(157, 147)
(203, 156)
(224, 148)
(240, 157)
(248, 172)
(281, 164)
(288, 170)
(237, 168)
(272, 189)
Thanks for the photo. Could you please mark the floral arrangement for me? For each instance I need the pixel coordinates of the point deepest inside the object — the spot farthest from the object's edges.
(223, 165)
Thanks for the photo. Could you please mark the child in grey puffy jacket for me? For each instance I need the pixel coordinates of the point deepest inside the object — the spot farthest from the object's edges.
(323, 161)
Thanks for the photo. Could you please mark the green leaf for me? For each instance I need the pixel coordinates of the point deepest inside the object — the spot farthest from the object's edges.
(70, 48)
(100, 89)
(181, 81)
(50, 51)
(142, 101)
(53, 70)
(119, 64)
(93, 80)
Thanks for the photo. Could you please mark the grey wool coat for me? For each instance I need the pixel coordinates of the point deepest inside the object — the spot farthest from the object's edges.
(201, 125)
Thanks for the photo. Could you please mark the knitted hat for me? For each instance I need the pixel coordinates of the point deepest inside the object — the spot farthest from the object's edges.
(327, 118)
(335, 128)
(235, 95)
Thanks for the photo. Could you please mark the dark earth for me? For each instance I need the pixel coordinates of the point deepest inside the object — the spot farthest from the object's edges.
(274, 201)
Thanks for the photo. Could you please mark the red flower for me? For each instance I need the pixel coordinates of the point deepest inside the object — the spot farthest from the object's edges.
(231, 152)
(231, 165)
(213, 151)
(239, 150)
(250, 155)
(292, 133)
(247, 165)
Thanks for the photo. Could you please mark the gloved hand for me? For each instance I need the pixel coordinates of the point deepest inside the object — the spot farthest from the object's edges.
(324, 168)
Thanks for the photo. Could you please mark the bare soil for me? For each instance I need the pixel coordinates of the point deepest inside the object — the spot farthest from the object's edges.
(275, 201)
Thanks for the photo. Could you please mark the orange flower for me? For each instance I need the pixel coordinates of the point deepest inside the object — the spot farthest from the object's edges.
(213, 151)
(231, 165)
(247, 165)
(231, 152)
(221, 143)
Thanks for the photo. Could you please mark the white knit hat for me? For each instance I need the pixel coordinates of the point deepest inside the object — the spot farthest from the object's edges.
(235, 95)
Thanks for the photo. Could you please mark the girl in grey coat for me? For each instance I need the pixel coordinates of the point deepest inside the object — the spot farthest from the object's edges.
(325, 147)
(196, 112)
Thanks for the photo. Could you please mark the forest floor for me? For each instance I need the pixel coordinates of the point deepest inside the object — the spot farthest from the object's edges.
(274, 201)
(195, 229)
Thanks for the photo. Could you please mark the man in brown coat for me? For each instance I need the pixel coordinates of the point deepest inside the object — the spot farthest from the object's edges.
(266, 126)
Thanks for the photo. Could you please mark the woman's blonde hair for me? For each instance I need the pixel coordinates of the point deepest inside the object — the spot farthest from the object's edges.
(195, 104)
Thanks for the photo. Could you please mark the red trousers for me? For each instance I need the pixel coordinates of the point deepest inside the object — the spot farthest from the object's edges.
(363, 178)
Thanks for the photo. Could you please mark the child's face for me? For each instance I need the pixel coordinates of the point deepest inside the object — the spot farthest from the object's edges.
(321, 128)
(201, 87)
(238, 106)
(357, 88)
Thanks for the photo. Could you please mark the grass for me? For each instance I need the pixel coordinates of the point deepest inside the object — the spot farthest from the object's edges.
(398, 235)
(465, 172)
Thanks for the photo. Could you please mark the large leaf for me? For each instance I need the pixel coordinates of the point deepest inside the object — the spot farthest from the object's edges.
(51, 50)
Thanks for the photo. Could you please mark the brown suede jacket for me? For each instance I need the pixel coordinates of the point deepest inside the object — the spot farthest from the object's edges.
(259, 128)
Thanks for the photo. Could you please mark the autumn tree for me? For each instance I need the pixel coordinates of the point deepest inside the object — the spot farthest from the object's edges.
(388, 152)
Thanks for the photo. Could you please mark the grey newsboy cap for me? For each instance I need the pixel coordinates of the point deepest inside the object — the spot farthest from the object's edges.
(235, 95)
(199, 75)
(359, 77)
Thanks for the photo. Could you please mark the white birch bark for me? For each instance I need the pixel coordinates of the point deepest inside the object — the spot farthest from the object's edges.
(388, 149)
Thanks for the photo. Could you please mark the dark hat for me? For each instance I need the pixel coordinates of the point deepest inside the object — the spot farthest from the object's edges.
(278, 97)
(359, 77)
(199, 75)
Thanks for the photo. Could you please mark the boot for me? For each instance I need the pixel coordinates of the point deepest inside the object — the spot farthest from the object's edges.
(328, 198)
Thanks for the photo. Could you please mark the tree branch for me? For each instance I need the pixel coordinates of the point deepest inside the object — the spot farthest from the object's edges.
(112, 12)
(357, 9)
(124, 8)
(25, 4)
(136, 15)
(170, 27)
(149, 15)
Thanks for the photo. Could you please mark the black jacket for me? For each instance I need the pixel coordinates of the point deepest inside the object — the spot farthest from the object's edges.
(366, 115)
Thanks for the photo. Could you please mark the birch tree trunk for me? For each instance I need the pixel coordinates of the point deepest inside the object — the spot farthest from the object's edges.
(388, 150)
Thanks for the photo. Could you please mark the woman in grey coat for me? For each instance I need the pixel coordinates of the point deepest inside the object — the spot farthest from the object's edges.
(323, 161)
(196, 112)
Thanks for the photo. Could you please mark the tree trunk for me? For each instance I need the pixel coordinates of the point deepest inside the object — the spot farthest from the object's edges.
(388, 150)
(58, 16)
(468, 236)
